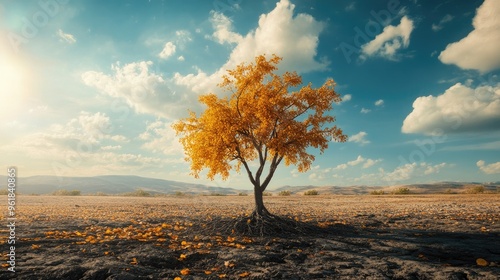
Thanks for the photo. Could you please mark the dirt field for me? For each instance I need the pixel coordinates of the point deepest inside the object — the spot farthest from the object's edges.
(363, 237)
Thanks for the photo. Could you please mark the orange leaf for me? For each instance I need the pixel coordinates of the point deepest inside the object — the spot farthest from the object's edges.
(185, 271)
(244, 274)
(134, 261)
(482, 262)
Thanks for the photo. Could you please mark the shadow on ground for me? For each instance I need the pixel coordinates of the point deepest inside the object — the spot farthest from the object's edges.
(369, 250)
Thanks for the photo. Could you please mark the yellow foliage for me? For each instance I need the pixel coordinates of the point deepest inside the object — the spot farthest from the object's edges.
(265, 117)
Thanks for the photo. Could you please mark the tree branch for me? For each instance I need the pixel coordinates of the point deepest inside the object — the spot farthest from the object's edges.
(252, 180)
(272, 168)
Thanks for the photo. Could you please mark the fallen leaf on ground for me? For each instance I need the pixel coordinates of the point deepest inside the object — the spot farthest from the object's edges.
(482, 262)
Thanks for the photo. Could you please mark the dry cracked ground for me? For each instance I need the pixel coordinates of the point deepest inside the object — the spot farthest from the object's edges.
(358, 237)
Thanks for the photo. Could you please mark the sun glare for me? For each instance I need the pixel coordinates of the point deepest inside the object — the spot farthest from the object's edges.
(13, 84)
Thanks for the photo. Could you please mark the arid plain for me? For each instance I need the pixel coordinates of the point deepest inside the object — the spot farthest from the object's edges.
(359, 237)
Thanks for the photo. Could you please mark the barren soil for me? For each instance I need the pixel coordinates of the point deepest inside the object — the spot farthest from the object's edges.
(359, 237)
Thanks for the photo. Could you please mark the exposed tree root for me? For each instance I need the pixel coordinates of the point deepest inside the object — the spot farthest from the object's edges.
(263, 225)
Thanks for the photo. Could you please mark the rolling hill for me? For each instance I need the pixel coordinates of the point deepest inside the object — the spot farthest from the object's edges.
(119, 184)
(111, 184)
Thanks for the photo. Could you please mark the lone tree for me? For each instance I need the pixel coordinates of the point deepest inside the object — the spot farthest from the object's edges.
(260, 121)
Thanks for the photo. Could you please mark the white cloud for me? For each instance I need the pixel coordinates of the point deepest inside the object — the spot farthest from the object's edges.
(431, 169)
(351, 6)
(379, 102)
(111, 148)
(168, 50)
(223, 29)
(357, 161)
(359, 138)
(295, 38)
(390, 41)
(365, 111)
(83, 134)
(160, 137)
(458, 109)
(119, 138)
(66, 37)
(144, 91)
(183, 36)
(492, 168)
(346, 97)
(280, 32)
(341, 166)
(180, 58)
(370, 162)
(479, 49)
(439, 26)
(367, 162)
(412, 170)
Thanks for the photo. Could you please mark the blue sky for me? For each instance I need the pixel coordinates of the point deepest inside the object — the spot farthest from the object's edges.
(92, 87)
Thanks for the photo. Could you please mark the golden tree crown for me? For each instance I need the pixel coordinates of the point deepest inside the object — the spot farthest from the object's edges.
(265, 116)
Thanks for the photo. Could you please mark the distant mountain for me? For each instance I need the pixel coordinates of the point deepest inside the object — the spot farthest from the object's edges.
(118, 184)
(434, 188)
(111, 184)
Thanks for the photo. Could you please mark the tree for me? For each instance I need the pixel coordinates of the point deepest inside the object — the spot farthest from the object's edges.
(261, 120)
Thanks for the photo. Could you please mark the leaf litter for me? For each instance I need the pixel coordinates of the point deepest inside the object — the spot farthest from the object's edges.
(424, 237)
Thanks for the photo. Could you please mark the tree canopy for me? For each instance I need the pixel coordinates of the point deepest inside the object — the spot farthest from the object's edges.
(264, 118)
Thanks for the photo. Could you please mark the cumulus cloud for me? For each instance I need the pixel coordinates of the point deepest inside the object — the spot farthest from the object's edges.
(168, 50)
(360, 138)
(144, 91)
(439, 26)
(85, 145)
(479, 49)
(459, 109)
(160, 137)
(357, 161)
(66, 37)
(280, 32)
(492, 168)
(390, 41)
(293, 37)
(223, 29)
(411, 170)
(83, 134)
(183, 36)
(365, 111)
(367, 162)
(379, 102)
(346, 97)
(371, 162)
(111, 148)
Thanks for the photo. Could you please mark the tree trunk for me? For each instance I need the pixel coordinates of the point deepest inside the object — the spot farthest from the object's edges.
(260, 209)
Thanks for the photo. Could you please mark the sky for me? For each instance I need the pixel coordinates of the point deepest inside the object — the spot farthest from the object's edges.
(92, 88)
